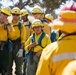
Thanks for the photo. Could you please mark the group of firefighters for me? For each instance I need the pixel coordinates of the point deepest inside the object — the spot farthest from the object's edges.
(18, 36)
(23, 42)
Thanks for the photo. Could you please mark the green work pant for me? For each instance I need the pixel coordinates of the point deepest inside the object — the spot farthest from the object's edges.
(18, 61)
(31, 68)
(4, 58)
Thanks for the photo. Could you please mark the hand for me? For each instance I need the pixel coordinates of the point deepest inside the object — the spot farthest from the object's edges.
(20, 53)
(32, 45)
(38, 53)
(6, 21)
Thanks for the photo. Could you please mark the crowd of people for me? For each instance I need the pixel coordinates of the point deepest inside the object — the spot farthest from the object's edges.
(39, 45)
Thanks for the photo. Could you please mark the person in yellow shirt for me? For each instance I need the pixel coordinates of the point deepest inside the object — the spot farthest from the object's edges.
(59, 58)
(47, 23)
(35, 45)
(27, 24)
(5, 29)
(38, 13)
(17, 40)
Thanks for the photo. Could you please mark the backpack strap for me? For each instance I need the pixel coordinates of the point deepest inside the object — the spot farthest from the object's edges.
(33, 38)
(70, 34)
(43, 20)
(29, 24)
(40, 39)
(19, 25)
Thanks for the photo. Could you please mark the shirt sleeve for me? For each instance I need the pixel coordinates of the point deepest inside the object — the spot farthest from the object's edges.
(23, 35)
(12, 33)
(27, 44)
(44, 64)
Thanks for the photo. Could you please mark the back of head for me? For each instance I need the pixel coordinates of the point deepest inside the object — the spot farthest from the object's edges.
(67, 19)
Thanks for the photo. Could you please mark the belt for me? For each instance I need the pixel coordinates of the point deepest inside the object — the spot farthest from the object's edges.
(17, 40)
(34, 53)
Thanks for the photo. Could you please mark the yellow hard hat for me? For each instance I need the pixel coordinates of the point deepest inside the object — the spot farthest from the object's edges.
(36, 23)
(15, 10)
(0, 10)
(37, 10)
(49, 17)
(24, 12)
(6, 10)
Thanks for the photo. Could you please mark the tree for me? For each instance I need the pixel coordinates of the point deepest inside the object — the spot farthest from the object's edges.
(48, 5)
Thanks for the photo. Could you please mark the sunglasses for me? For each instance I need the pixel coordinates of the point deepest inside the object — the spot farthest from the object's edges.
(36, 13)
(15, 14)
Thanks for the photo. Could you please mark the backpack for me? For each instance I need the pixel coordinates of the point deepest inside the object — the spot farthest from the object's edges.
(39, 40)
(53, 36)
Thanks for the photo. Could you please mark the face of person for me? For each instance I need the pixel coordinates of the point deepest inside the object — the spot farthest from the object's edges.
(2, 17)
(15, 16)
(37, 16)
(24, 18)
(37, 29)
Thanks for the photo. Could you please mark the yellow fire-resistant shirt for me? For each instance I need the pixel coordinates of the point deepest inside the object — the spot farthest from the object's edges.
(4, 33)
(18, 33)
(44, 42)
(57, 56)
(27, 29)
(46, 28)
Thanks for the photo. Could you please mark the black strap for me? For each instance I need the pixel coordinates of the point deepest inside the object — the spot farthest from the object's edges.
(67, 35)
(19, 25)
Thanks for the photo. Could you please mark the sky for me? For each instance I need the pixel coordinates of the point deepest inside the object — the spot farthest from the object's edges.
(7, 3)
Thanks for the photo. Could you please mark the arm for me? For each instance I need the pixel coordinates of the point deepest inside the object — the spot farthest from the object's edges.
(23, 35)
(28, 44)
(44, 64)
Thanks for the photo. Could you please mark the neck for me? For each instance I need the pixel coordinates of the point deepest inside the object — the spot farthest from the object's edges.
(38, 33)
(14, 21)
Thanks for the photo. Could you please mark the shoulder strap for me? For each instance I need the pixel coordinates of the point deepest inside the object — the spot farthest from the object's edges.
(33, 38)
(19, 25)
(39, 40)
(43, 20)
(29, 24)
(67, 35)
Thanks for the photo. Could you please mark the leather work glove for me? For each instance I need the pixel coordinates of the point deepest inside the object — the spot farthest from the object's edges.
(20, 53)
